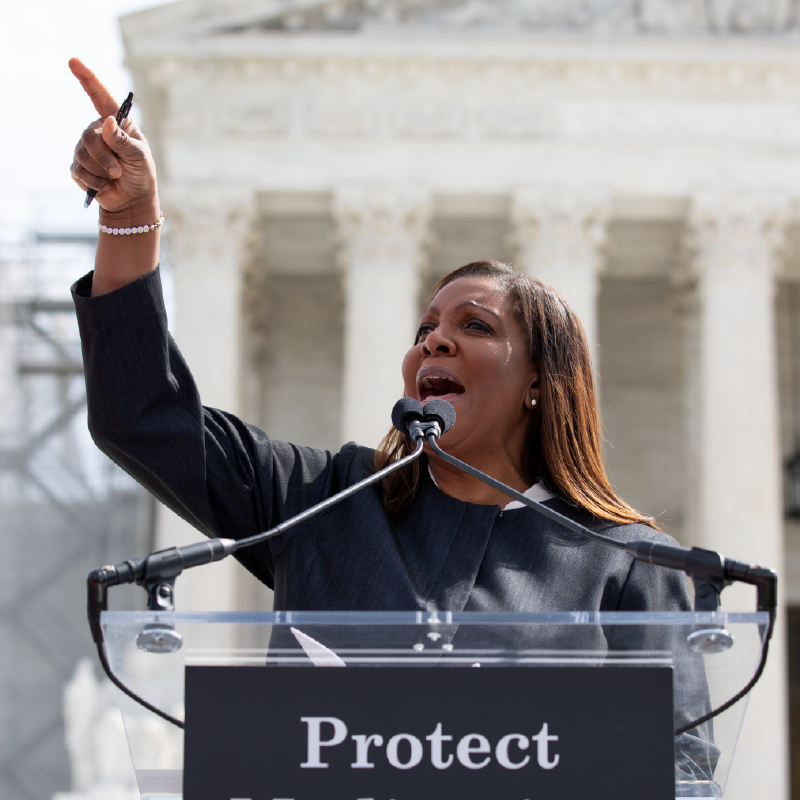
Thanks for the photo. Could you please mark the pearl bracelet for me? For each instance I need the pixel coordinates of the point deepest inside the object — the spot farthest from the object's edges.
(128, 231)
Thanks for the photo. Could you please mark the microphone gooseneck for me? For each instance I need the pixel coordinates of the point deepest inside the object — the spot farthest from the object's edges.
(158, 571)
(710, 571)
(405, 412)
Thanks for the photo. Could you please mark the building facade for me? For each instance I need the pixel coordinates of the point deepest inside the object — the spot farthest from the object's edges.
(322, 164)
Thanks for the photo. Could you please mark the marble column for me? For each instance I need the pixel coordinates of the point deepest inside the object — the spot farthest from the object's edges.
(206, 238)
(559, 236)
(383, 235)
(686, 310)
(735, 241)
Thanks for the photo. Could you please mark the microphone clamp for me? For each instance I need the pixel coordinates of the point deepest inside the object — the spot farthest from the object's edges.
(420, 429)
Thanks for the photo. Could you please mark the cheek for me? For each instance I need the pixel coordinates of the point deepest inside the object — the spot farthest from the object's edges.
(512, 375)
(411, 364)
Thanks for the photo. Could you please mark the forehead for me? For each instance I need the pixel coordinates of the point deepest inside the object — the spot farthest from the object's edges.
(483, 291)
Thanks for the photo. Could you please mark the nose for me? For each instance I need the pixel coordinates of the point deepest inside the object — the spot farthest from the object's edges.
(439, 341)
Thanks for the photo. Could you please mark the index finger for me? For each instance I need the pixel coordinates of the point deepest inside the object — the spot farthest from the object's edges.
(101, 98)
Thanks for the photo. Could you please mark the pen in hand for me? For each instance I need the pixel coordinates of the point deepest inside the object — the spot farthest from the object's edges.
(122, 115)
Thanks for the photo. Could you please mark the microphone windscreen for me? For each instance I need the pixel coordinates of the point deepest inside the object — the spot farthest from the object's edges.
(443, 411)
(405, 409)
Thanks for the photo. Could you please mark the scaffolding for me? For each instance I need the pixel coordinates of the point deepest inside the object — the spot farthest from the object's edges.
(65, 507)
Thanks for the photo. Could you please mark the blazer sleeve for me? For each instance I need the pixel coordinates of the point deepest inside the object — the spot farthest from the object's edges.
(224, 477)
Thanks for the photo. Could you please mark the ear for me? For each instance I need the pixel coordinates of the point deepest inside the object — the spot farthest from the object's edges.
(532, 392)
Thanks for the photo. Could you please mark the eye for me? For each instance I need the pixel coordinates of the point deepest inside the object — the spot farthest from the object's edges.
(423, 331)
(477, 325)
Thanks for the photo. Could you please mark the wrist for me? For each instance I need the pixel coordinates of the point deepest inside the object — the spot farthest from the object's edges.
(128, 229)
(135, 215)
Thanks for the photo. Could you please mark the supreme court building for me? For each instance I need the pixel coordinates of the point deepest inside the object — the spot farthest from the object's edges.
(322, 164)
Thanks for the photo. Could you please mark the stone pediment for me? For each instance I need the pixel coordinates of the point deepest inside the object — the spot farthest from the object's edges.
(670, 17)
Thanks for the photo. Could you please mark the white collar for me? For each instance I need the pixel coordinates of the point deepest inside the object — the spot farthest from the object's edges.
(536, 492)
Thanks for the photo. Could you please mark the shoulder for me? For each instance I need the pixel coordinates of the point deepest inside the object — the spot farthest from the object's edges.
(298, 466)
(625, 532)
(355, 462)
(630, 585)
(351, 464)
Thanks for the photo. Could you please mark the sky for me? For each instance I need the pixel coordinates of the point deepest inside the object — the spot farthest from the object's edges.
(44, 107)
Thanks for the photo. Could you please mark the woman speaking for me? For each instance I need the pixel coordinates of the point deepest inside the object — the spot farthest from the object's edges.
(504, 349)
(507, 351)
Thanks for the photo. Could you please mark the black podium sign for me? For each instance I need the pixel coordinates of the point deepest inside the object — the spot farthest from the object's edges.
(428, 733)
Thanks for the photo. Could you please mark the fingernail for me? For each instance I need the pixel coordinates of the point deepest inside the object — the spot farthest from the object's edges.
(106, 187)
(115, 172)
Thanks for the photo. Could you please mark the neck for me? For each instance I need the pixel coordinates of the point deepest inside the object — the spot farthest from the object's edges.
(456, 483)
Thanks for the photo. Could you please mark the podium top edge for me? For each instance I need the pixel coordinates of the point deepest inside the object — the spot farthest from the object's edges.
(427, 618)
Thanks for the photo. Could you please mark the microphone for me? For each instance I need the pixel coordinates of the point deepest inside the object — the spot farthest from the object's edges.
(411, 419)
(705, 566)
(710, 572)
(405, 413)
(158, 571)
(164, 566)
(440, 412)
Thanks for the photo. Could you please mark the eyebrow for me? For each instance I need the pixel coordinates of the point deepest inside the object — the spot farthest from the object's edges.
(464, 304)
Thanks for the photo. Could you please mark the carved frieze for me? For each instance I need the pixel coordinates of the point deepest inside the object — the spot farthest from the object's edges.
(569, 100)
(468, 119)
(314, 116)
(710, 17)
(673, 73)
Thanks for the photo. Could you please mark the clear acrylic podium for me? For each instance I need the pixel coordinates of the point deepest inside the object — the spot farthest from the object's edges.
(375, 639)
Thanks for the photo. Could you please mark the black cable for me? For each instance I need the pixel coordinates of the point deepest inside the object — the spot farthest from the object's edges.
(737, 697)
(98, 585)
(577, 528)
(121, 686)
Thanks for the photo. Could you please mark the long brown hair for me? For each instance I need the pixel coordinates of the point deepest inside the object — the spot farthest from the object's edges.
(564, 440)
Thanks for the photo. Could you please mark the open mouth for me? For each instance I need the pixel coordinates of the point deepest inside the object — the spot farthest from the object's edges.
(442, 387)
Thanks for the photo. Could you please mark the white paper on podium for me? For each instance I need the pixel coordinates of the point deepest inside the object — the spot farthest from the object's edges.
(320, 655)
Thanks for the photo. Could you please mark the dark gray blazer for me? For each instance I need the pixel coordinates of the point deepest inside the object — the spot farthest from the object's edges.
(228, 478)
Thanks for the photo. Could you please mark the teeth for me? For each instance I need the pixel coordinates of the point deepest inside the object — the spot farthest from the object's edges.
(426, 383)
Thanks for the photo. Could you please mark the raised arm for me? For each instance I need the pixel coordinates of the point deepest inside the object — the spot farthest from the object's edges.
(116, 162)
(224, 477)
